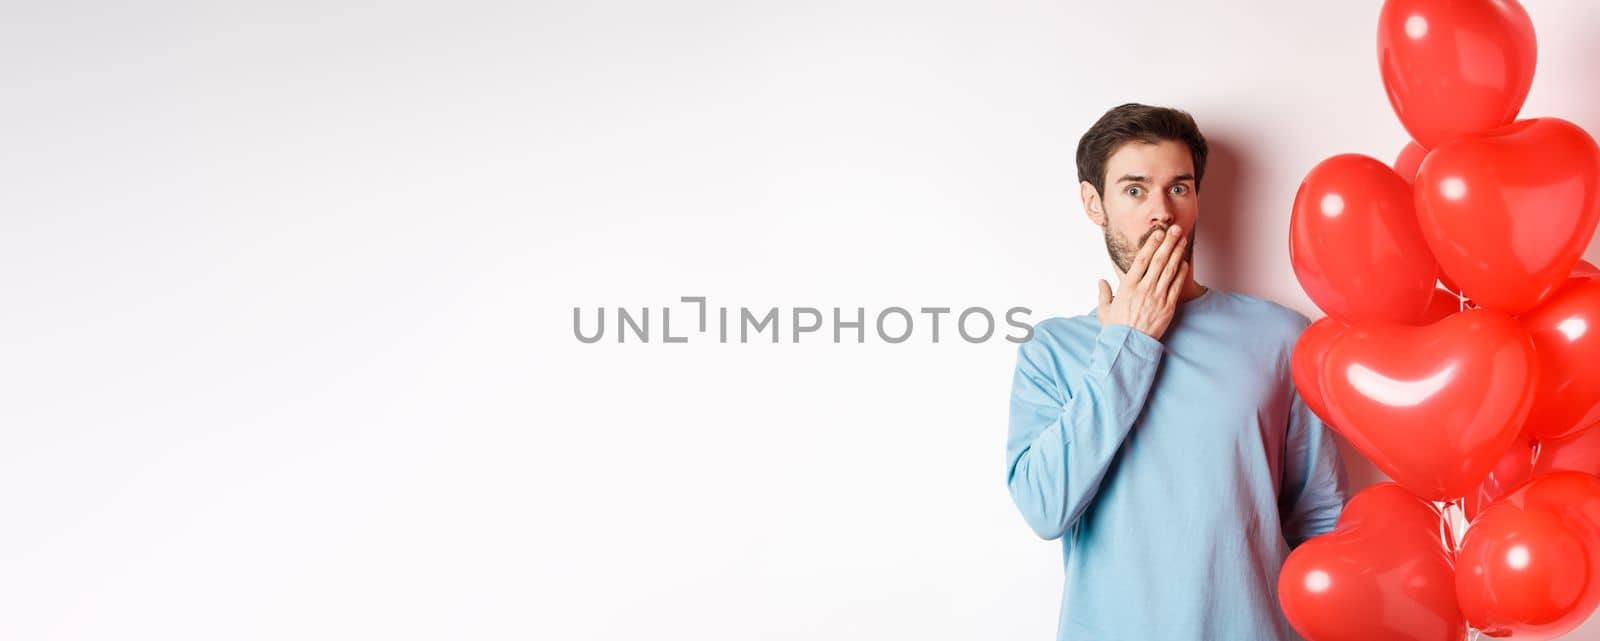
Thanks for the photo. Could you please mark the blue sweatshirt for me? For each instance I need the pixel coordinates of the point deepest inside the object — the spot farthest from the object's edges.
(1177, 473)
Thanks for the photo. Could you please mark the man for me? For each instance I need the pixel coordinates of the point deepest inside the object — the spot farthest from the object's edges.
(1160, 435)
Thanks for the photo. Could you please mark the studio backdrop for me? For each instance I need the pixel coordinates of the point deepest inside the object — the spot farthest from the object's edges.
(595, 320)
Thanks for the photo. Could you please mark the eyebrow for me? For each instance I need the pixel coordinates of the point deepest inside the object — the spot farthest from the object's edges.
(1142, 179)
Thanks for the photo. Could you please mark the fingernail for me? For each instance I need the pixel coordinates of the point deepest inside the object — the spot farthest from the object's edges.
(1177, 230)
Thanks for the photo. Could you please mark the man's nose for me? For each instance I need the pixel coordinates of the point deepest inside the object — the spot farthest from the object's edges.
(1161, 213)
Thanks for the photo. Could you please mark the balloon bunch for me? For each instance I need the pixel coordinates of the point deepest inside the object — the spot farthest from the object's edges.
(1461, 348)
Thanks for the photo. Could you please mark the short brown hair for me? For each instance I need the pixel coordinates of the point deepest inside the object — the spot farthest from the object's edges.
(1143, 123)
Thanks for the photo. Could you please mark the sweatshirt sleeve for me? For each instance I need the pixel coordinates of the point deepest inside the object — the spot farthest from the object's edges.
(1068, 421)
(1314, 484)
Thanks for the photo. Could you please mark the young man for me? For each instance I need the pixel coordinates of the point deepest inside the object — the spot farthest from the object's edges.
(1160, 436)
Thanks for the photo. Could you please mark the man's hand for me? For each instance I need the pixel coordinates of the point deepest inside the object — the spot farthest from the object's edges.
(1149, 292)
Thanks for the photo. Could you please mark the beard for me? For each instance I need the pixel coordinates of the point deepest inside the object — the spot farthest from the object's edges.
(1123, 251)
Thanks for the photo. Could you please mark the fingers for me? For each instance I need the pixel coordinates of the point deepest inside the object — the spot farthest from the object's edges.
(1176, 291)
(1159, 262)
(1105, 294)
(1141, 263)
(1169, 271)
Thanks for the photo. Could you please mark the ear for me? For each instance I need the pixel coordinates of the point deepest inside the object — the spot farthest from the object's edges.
(1091, 203)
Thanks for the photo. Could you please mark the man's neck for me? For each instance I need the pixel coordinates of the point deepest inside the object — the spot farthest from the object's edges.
(1191, 291)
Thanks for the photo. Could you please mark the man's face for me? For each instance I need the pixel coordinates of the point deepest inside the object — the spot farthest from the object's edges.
(1148, 187)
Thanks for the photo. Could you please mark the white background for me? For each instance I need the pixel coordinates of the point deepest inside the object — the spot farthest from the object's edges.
(289, 286)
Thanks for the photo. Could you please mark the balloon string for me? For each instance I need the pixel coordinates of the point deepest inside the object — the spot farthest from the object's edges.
(1458, 522)
(1446, 529)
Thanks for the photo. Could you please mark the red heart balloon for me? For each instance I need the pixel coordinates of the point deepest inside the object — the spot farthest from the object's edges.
(1514, 468)
(1584, 269)
(1409, 159)
(1529, 566)
(1578, 452)
(1305, 363)
(1566, 332)
(1433, 407)
(1443, 303)
(1508, 212)
(1455, 67)
(1383, 573)
(1447, 284)
(1355, 243)
(1527, 460)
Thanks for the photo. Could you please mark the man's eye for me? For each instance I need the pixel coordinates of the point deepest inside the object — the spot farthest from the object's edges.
(1179, 190)
(1135, 191)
